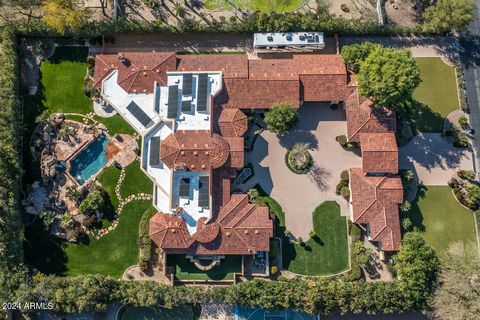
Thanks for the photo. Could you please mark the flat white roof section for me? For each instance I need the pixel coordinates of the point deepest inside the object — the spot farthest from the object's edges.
(125, 104)
(189, 199)
(289, 39)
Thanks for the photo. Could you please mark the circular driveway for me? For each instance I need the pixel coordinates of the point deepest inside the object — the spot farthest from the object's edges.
(299, 195)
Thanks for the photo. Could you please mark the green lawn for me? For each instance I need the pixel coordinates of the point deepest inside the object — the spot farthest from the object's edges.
(442, 219)
(324, 255)
(185, 270)
(436, 95)
(113, 253)
(135, 181)
(255, 5)
(109, 178)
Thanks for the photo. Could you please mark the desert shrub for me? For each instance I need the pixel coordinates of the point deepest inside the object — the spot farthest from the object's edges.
(312, 234)
(345, 176)
(273, 270)
(463, 121)
(453, 183)
(466, 174)
(461, 140)
(405, 206)
(342, 140)
(344, 7)
(281, 278)
(407, 224)
(346, 193)
(340, 186)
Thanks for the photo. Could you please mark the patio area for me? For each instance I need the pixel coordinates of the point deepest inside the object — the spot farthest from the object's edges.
(300, 194)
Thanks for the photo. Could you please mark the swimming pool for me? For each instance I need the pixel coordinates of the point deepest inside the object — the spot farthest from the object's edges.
(90, 160)
(244, 313)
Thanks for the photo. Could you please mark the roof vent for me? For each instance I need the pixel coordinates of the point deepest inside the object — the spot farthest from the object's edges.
(270, 38)
(256, 231)
(246, 231)
(145, 73)
(227, 234)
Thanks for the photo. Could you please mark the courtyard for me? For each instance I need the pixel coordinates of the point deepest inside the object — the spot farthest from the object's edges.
(300, 194)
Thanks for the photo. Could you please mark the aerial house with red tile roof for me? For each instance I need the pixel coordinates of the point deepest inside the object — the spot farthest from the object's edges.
(191, 113)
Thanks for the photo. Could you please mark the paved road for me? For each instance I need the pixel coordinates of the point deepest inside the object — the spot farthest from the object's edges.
(471, 62)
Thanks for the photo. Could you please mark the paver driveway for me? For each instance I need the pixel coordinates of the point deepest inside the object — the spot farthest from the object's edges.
(434, 158)
(299, 195)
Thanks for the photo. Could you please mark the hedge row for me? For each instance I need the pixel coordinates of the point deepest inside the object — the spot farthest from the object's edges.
(11, 253)
(256, 22)
(416, 266)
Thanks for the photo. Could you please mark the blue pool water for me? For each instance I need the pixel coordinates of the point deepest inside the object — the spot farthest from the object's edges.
(90, 160)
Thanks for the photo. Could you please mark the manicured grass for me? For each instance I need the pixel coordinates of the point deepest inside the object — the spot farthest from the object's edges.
(135, 181)
(109, 178)
(441, 218)
(116, 124)
(144, 313)
(437, 92)
(255, 5)
(327, 253)
(185, 270)
(113, 253)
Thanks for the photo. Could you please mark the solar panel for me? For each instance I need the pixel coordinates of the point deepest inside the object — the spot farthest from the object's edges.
(139, 114)
(187, 84)
(184, 187)
(203, 196)
(202, 92)
(172, 107)
(154, 159)
(186, 105)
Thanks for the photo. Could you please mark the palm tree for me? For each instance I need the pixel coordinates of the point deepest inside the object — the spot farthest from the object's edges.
(179, 9)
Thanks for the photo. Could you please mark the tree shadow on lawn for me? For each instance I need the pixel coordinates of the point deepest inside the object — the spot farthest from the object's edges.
(69, 53)
(43, 250)
(415, 214)
(421, 116)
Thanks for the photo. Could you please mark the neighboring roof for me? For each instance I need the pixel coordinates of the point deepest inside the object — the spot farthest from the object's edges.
(363, 116)
(375, 201)
(196, 150)
(232, 122)
(379, 152)
(239, 228)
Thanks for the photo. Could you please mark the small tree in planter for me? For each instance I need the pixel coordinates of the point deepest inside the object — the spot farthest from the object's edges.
(253, 194)
(342, 140)
(281, 118)
(406, 206)
(346, 193)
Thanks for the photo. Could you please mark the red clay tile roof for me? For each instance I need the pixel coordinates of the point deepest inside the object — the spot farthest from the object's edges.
(379, 152)
(239, 228)
(232, 122)
(236, 152)
(104, 65)
(141, 69)
(323, 87)
(362, 116)
(258, 94)
(298, 64)
(231, 65)
(196, 150)
(375, 201)
(169, 231)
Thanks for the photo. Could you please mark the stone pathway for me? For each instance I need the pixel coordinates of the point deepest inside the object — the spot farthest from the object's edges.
(98, 234)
